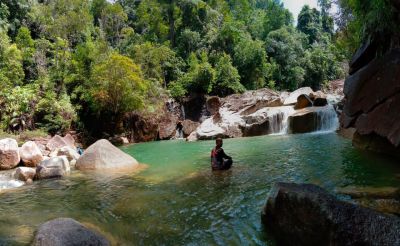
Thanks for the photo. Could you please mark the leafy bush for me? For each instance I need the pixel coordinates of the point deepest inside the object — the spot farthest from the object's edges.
(54, 114)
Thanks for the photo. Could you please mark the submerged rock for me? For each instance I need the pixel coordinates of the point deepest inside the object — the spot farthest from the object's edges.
(388, 206)
(55, 167)
(25, 173)
(370, 192)
(102, 155)
(67, 232)
(9, 153)
(308, 215)
(30, 153)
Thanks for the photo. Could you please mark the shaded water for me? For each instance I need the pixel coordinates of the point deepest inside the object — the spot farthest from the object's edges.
(179, 201)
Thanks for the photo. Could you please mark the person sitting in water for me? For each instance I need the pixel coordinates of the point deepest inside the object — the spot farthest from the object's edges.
(219, 160)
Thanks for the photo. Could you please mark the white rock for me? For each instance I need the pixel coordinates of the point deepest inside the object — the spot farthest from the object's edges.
(53, 168)
(30, 154)
(104, 155)
(9, 153)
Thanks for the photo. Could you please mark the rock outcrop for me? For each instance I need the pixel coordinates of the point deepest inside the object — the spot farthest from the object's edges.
(9, 154)
(103, 155)
(308, 215)
(189, 127)
(66, 231)
(55, 167)
(167, 127)
(260, 112)
(372, 93)
(30, 154)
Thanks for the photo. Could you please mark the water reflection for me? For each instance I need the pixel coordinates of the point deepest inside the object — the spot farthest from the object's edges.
(177, 200)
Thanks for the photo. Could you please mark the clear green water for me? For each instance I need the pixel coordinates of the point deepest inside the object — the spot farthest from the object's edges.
(177, 200)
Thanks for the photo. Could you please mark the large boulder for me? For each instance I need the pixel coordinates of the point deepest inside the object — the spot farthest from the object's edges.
(69, 139)
(67, 232)
(67, 151)
(313, 119)
(25, 173)
(58, 142)
(213, 104)
(54, 167)
(103, 155)
(292, 98)
(303, 121)
(308, 215)
(143, 128)
(189, 127)
(9, 153)
(167, 127)
(30, 154)
(303, 101)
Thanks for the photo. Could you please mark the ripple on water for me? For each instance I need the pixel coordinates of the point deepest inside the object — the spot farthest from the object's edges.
(177, 200)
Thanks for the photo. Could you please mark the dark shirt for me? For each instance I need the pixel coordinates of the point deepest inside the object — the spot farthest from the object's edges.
(217, 158)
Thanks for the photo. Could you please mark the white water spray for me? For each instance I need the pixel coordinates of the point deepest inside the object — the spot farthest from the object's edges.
(327, 120)
(279, 124)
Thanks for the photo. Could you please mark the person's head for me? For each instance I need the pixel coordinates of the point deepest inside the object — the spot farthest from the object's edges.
(219, 142)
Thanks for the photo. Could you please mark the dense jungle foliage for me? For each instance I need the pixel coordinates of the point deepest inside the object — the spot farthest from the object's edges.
(86, 63)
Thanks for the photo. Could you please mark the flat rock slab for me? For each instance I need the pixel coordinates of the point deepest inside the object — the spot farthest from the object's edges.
(67, 232)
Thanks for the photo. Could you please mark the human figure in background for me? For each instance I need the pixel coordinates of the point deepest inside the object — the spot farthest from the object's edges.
(219, 160)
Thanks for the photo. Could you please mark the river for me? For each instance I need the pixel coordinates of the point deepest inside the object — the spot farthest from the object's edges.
(177, 200)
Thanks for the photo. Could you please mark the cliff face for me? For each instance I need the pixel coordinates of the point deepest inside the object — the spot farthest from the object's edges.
(372, 96)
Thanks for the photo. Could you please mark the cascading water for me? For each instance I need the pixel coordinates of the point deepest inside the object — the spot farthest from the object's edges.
(327, 119)
(178, 134)
(279, 124)
(183, 112)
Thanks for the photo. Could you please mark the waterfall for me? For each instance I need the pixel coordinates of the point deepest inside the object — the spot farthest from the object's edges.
(183, 112)
(327, 119)
(179, 134)
(279, 124)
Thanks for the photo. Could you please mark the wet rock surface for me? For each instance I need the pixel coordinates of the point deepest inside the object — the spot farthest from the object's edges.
(308, 215)
(67, 232)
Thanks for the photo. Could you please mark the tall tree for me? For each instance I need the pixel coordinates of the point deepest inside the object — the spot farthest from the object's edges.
(309, 22)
